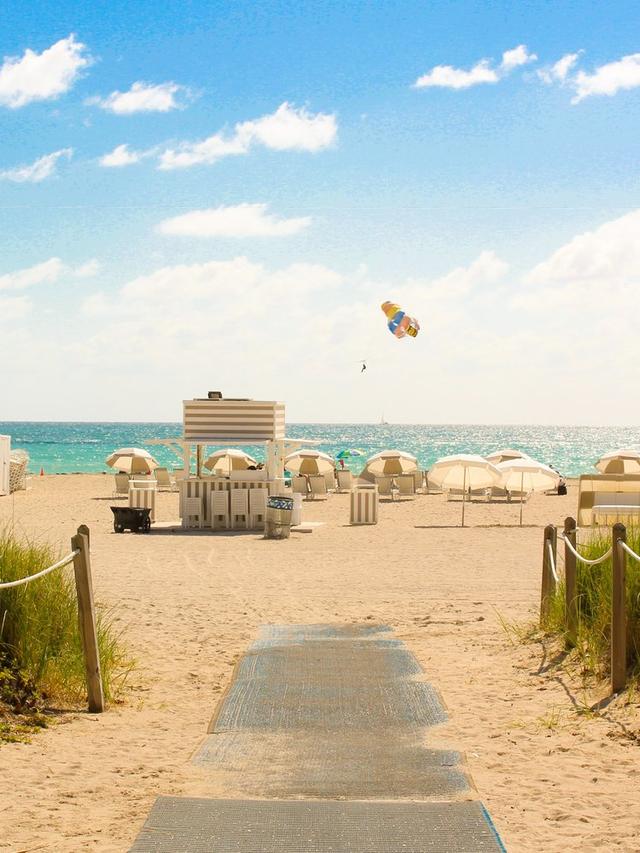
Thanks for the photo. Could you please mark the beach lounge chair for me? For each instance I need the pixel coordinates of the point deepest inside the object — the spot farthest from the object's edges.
(220, 517)
(192, 512)
(121, 486)
(163, 479)
(330, 477)
(418, 477)
(406, 485)
(239, 508)
(317, 486)
(345, 481)
(257, 508)
(386, 488)
(300, 486)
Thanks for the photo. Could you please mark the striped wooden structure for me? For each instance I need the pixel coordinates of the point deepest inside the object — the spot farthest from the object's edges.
(204, 486)
(144, 498)
(232, 421)
(364, 505)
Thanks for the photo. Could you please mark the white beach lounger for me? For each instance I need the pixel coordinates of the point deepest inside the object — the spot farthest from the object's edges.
(220, 517)
(121, 486)
(317, 486)
(345, 481)
(257, 508)
(386, 488)
(239, 508)
(406, 485)
(163, 479)
(300, 486)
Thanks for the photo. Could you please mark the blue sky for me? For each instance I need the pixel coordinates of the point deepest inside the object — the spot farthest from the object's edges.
(496, 201)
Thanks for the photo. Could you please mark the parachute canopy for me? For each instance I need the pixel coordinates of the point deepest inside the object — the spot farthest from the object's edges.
(399, 323)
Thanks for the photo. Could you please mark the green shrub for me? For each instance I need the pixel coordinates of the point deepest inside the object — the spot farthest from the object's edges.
(40, 649)
(593, 592)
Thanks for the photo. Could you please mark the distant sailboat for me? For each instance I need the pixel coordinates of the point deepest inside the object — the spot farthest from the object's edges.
(383, 422)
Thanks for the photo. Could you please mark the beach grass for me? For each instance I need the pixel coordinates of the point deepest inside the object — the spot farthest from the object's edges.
(594, 589)
(41, 660)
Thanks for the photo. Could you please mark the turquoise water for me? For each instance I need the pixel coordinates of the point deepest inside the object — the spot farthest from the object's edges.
(70, 447)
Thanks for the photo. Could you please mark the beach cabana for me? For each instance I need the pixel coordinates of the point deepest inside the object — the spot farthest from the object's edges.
(619, 462)
(505, 455)
(228, 459)
(465, 472)
(527, 475)
(132, 460)
(309, 462)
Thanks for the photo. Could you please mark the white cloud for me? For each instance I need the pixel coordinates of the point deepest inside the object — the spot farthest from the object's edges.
(47, 272)
(286, 129)
(609, 253)
(143, 98)
(484, 71)
(41, 76)
(516, 57)
(559, 71)
(37, 171)
(13, 308)
(242, 220)
(122, 155)
(608, 79)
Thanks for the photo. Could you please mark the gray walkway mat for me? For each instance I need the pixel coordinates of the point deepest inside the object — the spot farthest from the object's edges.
(351, 764)
(297, 826)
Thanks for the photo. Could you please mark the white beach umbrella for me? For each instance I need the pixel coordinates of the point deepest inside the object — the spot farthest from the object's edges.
(390, 463)
(132, 460)
(464, 471)
(505, 455)
(309, 462)
(527, 475)
(228, 459)
(619, 462)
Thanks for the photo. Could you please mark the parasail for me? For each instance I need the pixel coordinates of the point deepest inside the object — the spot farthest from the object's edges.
(399, 323)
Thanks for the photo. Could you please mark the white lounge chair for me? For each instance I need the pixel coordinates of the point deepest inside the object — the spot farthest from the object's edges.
(300, 485)
(317, 486)
(121, 486)
(257, 508)
(239, 508)
(418, 477)
(220, 517)
(345, 480)
(163, 479)
(406, 485)
(385, 487)
(192, 512)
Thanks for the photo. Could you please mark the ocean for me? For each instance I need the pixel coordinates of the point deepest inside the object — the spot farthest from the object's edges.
(65, 448)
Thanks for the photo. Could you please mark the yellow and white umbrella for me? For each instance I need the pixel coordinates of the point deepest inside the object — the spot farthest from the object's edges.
(228, 459)
(619, 462)
(505, 455)
(309, 462)
(527, 475)
(465, 471)
(132, 460)
(389, 463)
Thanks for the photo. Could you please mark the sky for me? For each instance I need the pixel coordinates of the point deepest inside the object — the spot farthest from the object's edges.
(210, 195)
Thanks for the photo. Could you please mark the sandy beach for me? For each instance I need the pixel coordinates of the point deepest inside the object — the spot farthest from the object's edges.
(190, 604)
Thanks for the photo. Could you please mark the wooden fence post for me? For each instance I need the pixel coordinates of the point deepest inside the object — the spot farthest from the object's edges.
(548, 586)
(570, 569)
(87, 618)
(618, 611)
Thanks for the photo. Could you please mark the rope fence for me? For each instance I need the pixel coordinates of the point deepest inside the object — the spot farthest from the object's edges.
(80, 557)
(618, 552)
(60, 564)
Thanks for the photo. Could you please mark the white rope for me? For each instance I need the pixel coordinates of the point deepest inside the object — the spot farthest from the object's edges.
(629, 551)
(63, 562)
(582, 559)
(552, 562)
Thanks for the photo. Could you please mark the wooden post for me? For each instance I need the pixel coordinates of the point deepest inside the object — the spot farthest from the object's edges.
(570, 570)
(548, 586)
(618, 611)
(87, 619)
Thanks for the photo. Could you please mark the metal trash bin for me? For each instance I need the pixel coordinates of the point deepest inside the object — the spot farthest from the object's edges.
(364, 505)
(278, 521)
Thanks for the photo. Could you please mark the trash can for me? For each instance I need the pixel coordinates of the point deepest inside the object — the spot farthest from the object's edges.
(296, 516)
(364, 505)
(278, 522)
